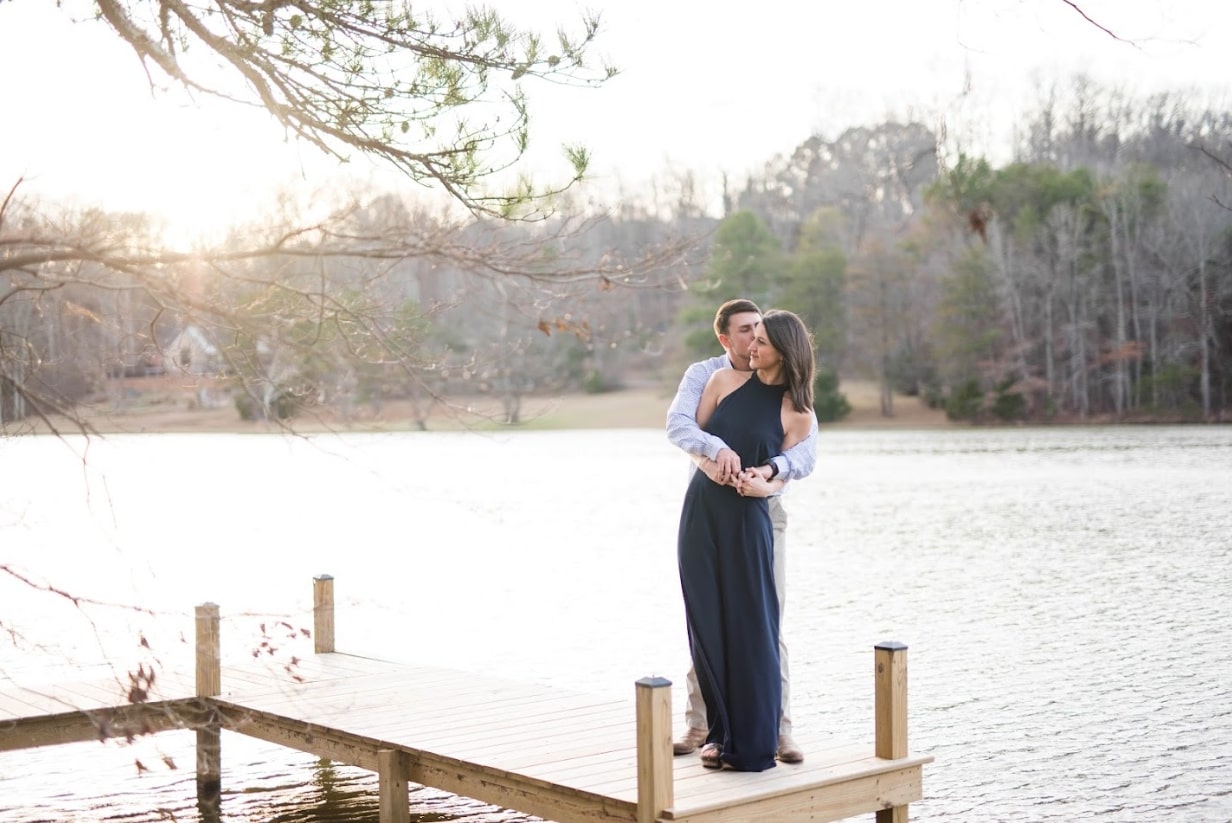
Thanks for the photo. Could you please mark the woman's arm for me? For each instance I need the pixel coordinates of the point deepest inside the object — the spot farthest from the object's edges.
(798, 426)
(797, 462)
(799, 431)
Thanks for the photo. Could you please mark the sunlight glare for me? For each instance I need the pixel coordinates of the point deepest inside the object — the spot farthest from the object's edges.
(101, 137)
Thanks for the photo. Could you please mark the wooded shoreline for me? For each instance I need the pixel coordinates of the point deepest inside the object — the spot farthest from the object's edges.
(154, 408)
(147, 406)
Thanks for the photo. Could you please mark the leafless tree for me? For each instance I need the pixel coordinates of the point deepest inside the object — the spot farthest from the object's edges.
(296, 313)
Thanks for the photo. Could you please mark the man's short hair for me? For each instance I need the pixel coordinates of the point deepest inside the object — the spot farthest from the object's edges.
(722, 318)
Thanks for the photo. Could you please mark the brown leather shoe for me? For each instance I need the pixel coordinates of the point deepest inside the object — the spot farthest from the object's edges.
(688, 742)
(788, 751)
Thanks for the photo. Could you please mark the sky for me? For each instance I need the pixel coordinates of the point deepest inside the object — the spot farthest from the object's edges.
(708, 89)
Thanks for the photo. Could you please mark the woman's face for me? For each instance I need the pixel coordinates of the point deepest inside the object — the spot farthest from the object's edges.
(762, 355)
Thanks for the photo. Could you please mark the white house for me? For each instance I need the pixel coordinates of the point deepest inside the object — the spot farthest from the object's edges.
(191, 352)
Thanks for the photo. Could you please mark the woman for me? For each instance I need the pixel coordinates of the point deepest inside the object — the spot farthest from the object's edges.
(725, 544)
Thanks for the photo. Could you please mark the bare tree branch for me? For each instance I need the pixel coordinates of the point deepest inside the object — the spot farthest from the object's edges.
(76, 600)
(1227, 170)
(1094, 22)
(439, 101)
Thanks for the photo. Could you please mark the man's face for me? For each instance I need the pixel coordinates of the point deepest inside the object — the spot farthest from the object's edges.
(741, 328)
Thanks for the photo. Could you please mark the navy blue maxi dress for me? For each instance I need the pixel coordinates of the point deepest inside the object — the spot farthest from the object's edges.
(725, 549)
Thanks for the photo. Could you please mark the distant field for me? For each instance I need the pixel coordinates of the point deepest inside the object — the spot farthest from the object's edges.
(163, 406)
(648, 408)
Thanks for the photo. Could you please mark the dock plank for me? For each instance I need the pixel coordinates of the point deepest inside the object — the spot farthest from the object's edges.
(551, 752)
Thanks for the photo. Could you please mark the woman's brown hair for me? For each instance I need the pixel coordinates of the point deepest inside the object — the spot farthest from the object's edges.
(787, 333)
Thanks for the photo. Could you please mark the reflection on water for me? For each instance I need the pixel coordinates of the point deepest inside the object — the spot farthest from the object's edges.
(343, 795)
(1063, 593)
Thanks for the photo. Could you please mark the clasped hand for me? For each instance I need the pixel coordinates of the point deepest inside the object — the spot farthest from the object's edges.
(725, 470)
(753, 482)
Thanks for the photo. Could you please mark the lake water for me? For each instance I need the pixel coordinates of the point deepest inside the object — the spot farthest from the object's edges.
(1064, 594)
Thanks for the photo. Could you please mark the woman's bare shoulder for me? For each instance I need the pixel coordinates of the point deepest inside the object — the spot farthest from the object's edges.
(725, 381)
(730, 377)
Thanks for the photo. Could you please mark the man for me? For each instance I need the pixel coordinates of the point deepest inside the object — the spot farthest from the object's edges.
(735, 325)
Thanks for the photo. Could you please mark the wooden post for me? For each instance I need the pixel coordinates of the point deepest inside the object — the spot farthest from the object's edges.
(209, 669)
(323, 613)
(391, 770)
(209, 738)
(654, 748)
(209, 773)
(890, 659)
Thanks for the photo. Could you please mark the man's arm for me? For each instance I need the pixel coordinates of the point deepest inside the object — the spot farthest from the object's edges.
(682, 429)
(799, 461)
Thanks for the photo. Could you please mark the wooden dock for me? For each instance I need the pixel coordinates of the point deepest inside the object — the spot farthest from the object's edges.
(545, 751)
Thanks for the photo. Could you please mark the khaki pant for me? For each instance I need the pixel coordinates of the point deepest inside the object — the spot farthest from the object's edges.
(695, 708)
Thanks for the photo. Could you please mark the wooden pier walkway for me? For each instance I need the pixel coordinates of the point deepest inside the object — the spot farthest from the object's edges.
(549, 752)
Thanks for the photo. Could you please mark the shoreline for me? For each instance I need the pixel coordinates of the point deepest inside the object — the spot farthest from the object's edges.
(165, 405)
(160, 405)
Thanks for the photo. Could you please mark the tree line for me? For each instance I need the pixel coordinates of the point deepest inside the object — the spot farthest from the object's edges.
(1088, 278)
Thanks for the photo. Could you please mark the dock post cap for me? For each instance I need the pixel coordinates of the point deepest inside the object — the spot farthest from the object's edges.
(891, 646)
(654, 682)
(324, 577)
